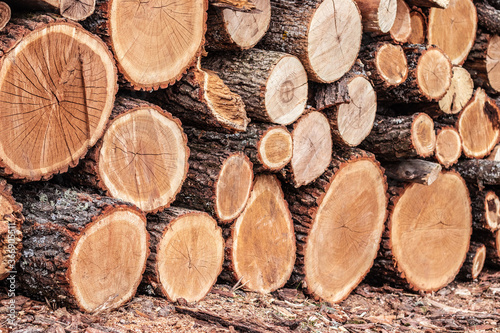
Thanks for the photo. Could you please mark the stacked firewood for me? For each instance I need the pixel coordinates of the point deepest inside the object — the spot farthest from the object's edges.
(168, 144)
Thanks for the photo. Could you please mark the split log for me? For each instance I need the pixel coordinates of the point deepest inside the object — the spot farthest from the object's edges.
(448, 146)
(488, 17)
(202, 99)
(228, 29)
(393, 138)
(142, 157)
(269, 147)
(348, 203)
(418, 24)
(80, 250)
(76, 10)
(401, 29)
(430, 3)
(453, 29)
(483, 60)
(482, 172)
(481, 112)
(187, 252)
(428, 234)
(11, 220)
(238, 5)
(272, 84)
(415, 171)
(325, 35)
(57, 87)
(459, 93)
(312, 149)
(139, 32)
(5, 14)
(474, 262)
(377, 15)
(261, 248)
(485, 209)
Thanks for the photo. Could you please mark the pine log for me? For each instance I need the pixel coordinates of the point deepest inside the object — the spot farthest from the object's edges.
(187, 252)
(418, 24)
(142, 157)
(57, 87)
(401, 29)
(459, 93)
(453, 29)
(430, 3)
(393, 138)
(483, 60)
(228, 29)
(139, 32)
(272, 84)
(415, 171)
(11, 220)
(377, 15)
(244, 6)
(202, 99)
(261, 246)
(427, 236)
(488, 17)
(312, 149)
(219, 179)
(80, 250)
(269, 147)
(482, 172)
(448, 146)
(474, 262)
(76, 10)
(485, 209)
(325, 35)
(348, 204)
(481, 112)
(5, 14)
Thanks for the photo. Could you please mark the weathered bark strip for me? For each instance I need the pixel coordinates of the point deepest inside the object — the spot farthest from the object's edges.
(348, 202)
(488, 17)
(308, 30)
(482, 172)
(474, 262)
(483, 60)
(5, 14)
(430, 3)
(77, 10)
(187, 252)
(378, 15)
(77, 248)
(415, 171)
(272, 84)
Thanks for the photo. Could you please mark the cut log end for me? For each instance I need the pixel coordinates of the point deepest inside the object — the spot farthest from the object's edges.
(492, 60)
(430, 255)
(401, 29)
(474, 262)
(108, 260)
(54, 108)
(333, 51)
(478, 262)
(140, 32)
(263, 240)
(189, 257)
(423, 135)
(448, 146)
(492, 211)
(453, 29)
(459, 93)
(144, 158)
(352, 213)
(5, 14)
(418, 26)
(233, 187)
(390, 61)
(434, 72)
(77, 10)
(386, 14)
(275, 148)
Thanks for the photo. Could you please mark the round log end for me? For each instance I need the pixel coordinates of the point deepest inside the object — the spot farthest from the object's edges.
(334, 39)
(390, 61)
(108, 260)
(386, 14)
(57, 88)
(459, 93)
(263, 239)
(401, 29)
(77, 10)
(352, 213)
(189, 257)
(478, 261)
(275, 148)
(418, 26)
(434, 72)
(423, 136)
(233, 187)
(492, 211)
(448, 146)
(492, 60)
(144, 158)
(430, 228)
(5, 14)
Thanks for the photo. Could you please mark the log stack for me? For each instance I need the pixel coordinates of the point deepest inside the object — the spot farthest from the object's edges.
(264, 142)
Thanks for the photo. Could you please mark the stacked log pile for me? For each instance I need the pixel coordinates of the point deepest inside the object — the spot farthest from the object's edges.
(263, 142)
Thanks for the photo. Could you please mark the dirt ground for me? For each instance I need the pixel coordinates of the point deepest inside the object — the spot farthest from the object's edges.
(460, 307)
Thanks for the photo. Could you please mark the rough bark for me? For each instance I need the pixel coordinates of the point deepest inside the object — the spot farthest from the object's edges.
(77, 10)
(485, 209)
(488, 17)
(492, 243)
(482, 172)
(415, 171)
(483, 60)
(430, 3)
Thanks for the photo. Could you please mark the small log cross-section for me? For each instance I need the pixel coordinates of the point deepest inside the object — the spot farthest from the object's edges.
(459, 93)
(142, 157)
(339, 220)
(474, 262)
(483, 61)
(418, 27)
(324, 34)
(76, 10)
(80, 250)
(378, 15)
(453, 29)
(57, 87)
(401, 29)
(187, 252)
(273, 85)
(231, 29)
(262, 244)
(448, 146)
(5, 14)
(153, 42)
(485, 209)
(480, 113)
